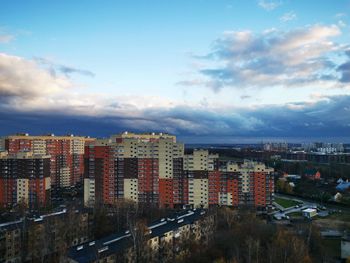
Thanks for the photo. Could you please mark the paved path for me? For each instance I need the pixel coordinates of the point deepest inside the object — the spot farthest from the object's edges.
(293, 209)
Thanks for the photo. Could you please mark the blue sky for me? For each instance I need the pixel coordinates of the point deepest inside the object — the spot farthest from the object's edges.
(208, 71)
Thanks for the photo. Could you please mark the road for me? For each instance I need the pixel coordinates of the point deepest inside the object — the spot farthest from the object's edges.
(332, 206)
(305, 204)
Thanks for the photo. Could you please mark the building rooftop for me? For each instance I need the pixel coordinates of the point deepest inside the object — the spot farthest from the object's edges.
(343, 186)
(23, 155)
(46, 137)
(10, 225)
(309, 210)
(115, 243)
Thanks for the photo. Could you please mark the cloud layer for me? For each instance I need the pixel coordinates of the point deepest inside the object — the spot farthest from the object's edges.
(269, 5)
(66, 70)
(39, 96)
(297, 58)
(23, 78)
(6, 38)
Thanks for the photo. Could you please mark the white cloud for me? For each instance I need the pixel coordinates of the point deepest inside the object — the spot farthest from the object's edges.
(288, 16)
(26, 86)
(341, 23)
(6, 38)
(268, 5)
(24, 78)
(340, 15)
(298, 58)
(29, 93)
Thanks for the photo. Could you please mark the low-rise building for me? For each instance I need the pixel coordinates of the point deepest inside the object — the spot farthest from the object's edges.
(312, 174)
(345, 247)
(309, 212)
(44, 238)
(162, 238)
(11, 244)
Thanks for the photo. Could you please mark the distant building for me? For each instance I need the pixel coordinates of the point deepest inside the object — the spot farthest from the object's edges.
(66, 154)
(292, 177)
(343, 186)
(316, 157)
(275, 146)
(324, 147)
(24, 177)
(309, 212)
(153, 169)
(337, 197)
(312, 174)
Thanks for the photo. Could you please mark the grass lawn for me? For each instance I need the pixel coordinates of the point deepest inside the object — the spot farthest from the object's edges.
(332, 247)
(286, 202)
(295, 214)
(343, 216)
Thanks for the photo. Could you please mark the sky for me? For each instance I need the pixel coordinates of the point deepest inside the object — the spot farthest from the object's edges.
(208, 71)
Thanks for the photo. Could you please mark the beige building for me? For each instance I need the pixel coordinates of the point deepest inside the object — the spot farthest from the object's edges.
(197, 166)
(89, 192)
(200, 160)
(162, 147)
(198, 192)
(23, 190)
(131, 189)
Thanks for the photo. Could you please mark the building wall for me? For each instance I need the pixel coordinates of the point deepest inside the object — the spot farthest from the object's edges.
(99, 167)
(200, 160)
(152, 169)
(24, 176)
(198, 192)
(153, 156)
(148, 180)
(10, 245)
(2, 144)
(131, 189)
(166, 193)
(23, 190)
(89, 192)
(66, 153)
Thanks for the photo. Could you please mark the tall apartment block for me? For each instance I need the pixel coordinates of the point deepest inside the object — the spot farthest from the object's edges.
(153, 169)
(66, 154)
(24, 177)
(138, 167)
(214, 182)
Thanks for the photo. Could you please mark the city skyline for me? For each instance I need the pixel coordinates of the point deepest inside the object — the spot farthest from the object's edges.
(223, 71)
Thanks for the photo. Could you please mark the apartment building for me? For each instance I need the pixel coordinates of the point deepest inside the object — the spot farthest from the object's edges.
(153, 169)
(24, 177)
(214, 182)
(197, 167)
(43, 238)
(161, 239)
(137, 167)
(10, 242)
(99, 179)
(248, 183)
(66, 154)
